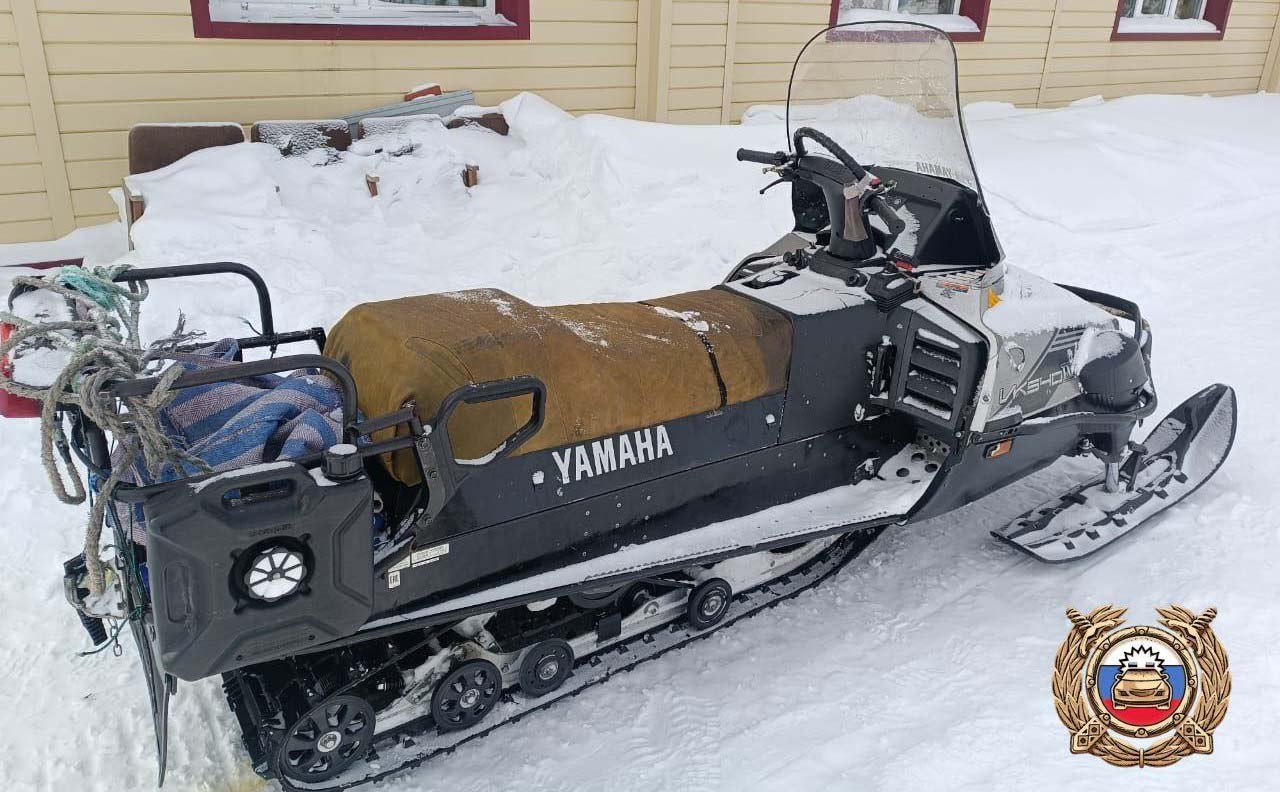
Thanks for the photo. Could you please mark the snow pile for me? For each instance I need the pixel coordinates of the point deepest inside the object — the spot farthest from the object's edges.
(923, 665)
(952, 23)
(1159, 23)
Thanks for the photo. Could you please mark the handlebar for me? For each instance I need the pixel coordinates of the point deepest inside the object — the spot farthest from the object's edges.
(881, 207)
(763, 157)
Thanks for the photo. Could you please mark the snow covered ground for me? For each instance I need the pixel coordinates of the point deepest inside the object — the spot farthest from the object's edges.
(926, 663)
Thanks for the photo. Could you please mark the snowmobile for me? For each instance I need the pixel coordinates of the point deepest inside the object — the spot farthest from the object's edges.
(520, 501)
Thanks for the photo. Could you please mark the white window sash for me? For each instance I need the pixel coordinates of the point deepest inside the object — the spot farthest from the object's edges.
(1170, 9)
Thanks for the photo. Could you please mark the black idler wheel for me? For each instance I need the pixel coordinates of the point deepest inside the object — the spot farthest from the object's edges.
(328, 739)
(545, 667)
(708, 603)
(466, 694)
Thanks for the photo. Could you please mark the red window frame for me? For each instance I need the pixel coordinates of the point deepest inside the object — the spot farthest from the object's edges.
(977, 10)
(1215, 11)
(515, 10)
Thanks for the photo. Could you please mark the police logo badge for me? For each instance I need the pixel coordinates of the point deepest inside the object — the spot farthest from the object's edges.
(1112, 682)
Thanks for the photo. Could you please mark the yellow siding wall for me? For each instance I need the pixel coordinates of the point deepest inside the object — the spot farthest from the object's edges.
(76, 74)
(1083, 61)
(698, 36)
(24, 205)
(118, 63)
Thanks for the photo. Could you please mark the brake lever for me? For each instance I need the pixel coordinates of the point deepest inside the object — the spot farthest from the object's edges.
(772, 184)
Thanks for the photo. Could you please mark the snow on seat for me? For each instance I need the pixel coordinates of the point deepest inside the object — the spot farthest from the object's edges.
(608, 367)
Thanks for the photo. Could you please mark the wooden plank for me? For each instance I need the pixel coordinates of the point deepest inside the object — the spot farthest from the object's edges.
(999, 82)
(7, 33)
(16, 120)
(218, 56)
(1247, 22)
(106, 116)
(1067, 94)
(706, 77)
(795, 35)
(699, 13)
(1023, 5)
(576, 10)
(83, 146)
(644, 62)
(43, 116)
(21, 179)
(1162, 61)
(117, 6)
(1125, 48)
(785, 13)
(13, 90)
(1270, 80)
(235, 85)
(986, 50)
(576, 100)
(10, 59)
(705, 115)
(1000, 18)
(87, 221)
(1088, 5)
(26, 231)
(697, 56)
(24, 206)
(1023, 98)
(1206, 74)
(1093, 20)
(697, 35)
(1065, 34)
(19, 150)
(91, 202)
(730, 52)
(690, 98)
(781, 72)
(97, 173)
(970, 68)
(1017, 35)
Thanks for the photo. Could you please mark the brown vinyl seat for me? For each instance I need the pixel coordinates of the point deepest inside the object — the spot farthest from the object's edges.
(607, 367)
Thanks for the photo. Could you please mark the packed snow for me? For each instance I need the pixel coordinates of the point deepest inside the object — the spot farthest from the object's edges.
(926, 663)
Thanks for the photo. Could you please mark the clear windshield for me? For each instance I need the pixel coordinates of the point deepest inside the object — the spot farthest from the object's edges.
(886, 92)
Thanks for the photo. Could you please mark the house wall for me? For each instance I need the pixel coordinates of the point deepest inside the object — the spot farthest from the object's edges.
(75, 75)
(24, 202)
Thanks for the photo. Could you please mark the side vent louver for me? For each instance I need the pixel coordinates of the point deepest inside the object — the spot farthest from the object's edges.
(933, 375)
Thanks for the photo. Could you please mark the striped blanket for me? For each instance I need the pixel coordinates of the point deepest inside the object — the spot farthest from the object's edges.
(242, 422)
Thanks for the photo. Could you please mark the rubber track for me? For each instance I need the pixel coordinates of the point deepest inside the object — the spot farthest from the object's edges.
(849, 546)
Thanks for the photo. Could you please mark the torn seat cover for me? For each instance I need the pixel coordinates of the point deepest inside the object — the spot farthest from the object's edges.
(608, 367)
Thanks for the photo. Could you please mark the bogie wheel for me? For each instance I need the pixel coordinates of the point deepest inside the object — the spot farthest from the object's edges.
(465, 695)
(708, 603)
(328, 739)
(545, 667)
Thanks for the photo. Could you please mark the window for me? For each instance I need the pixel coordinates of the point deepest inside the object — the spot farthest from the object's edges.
(361, 19)
(964, 20)
(1162, 20)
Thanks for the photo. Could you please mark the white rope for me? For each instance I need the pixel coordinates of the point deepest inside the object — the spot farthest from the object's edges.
(103, 344)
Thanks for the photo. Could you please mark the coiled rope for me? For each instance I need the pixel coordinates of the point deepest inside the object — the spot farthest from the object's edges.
(104, 346)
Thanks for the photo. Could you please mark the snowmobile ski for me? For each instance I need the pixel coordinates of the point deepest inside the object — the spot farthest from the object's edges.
(417, 742)
(1182, 452)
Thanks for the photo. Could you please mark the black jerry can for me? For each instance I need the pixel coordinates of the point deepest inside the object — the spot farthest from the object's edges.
(256, 564)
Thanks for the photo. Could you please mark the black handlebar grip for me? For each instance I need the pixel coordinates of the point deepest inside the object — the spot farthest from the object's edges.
(892, 221)
(762, 157)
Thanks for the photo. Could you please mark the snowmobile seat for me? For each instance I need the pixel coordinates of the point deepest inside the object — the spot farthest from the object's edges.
(607, 367)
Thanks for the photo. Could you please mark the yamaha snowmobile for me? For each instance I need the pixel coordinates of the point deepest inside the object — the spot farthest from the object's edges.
(500, 504)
